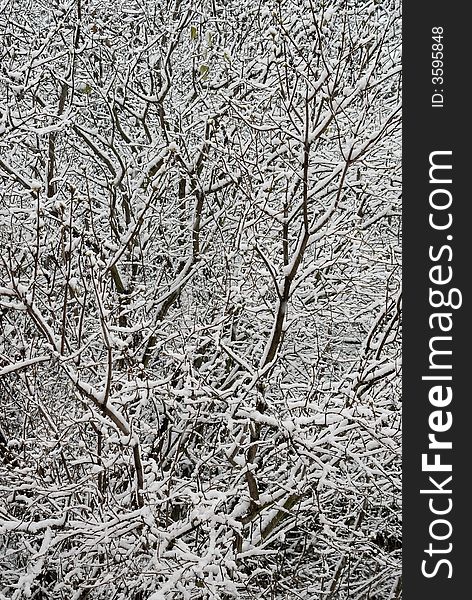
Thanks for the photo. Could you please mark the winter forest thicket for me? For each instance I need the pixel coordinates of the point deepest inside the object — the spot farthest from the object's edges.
(200, 300)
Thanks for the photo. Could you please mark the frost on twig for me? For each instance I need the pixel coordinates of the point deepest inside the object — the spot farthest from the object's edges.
(200, 301)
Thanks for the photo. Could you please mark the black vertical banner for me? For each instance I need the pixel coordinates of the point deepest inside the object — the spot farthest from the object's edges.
(437, 249)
